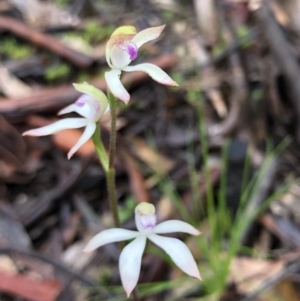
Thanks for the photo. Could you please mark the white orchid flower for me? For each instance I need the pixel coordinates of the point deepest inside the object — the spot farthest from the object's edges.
(91, 106)
(122, 49)
(131, 256)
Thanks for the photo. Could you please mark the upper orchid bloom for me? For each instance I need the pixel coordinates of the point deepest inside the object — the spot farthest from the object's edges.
(91, 106)
(122, 49)
(131, 256)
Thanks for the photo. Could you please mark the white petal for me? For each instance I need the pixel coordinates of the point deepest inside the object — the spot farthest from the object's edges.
(108, 236)
(155, 72)
(68, 123)
(68, 109)
(178, 252)
(116, 87)
(130, 263)
(86, 135)
(147, 35)
(175, 226)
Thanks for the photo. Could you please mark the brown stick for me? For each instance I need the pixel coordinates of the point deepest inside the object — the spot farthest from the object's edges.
(239, 87)
(12, 251)
(285, 59)
(45, 41)
(58, 97)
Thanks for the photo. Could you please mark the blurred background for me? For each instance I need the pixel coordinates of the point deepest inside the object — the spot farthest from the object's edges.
(221, 151)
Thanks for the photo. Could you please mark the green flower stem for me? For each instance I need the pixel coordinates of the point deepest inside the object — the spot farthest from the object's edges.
(101, 152)
(111, 188)
(112, 143)
(110, 173)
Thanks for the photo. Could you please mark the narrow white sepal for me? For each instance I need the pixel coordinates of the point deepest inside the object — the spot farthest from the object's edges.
(86, 135)
(147, 35)
(68, 123)
(172, 226)
(130, 263)
(68, 109)
(179, 253)
(109, 236)
(153, 71)
(115, 86)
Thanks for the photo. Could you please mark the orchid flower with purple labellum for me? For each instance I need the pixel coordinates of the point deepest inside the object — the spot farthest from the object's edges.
(131, 256)
(91, 106)
(122, 49)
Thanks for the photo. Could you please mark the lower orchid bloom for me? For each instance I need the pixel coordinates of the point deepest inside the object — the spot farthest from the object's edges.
(131, 256)
(122, 49)
(91, 106)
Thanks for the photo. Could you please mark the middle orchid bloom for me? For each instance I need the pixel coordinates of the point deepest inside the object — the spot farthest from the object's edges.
(91, 106)
(131, 256)
(122, 49)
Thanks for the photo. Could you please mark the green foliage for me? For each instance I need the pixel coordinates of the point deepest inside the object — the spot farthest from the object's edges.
(219, 48)
(15, 50)
(243, 35)
(57, 72)
(127, 210)
(194, 97)
(168, 15)
(106, 274)
(143, 289)
(178, 78)
(92, 33)
(257, 94)
(222, 240)
(62, 3)
(95, 33)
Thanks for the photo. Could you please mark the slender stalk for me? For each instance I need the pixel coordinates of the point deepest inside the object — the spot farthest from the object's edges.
(107, 162)
(111, 188)
(112, 143)
(110, 173)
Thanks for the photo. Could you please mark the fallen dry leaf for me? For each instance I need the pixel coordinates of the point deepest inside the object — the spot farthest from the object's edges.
(30, 289)
(249, 273)
(288, 291)
(11, 86)
(155, 161)
(137, 180)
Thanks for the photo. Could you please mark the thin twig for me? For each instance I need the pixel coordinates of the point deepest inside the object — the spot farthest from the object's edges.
(285, 59)
(293, 268)
(58, 265)
(45, 41)
(54, 99)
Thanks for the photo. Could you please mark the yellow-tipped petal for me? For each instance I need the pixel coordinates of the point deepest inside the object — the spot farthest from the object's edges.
(120, 39)
(124, 30)
(145, 208)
